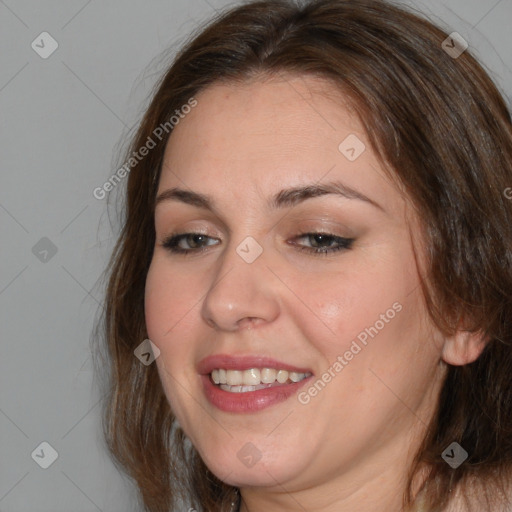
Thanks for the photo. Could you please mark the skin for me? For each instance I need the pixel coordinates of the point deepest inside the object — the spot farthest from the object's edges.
(349, 447)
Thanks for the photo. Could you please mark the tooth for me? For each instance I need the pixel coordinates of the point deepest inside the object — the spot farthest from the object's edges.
(237, 389)
(251, 377)
(245, 380)
(282, 376)
(234, 377)
(231, 389)
(296, 377)
(268, 375)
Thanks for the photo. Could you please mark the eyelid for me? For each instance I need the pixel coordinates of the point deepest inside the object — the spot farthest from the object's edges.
(171, 243)
(323, 224)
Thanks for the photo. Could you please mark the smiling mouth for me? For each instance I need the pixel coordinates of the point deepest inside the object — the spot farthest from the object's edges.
(253, 379)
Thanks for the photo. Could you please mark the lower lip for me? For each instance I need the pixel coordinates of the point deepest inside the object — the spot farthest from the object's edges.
(250, 401)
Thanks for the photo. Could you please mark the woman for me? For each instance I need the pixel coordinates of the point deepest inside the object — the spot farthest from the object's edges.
(317, 243)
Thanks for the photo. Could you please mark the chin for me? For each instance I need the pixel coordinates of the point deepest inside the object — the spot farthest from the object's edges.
(256, 476)
(248, 467)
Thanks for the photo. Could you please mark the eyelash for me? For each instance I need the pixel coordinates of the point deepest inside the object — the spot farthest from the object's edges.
(171, 243)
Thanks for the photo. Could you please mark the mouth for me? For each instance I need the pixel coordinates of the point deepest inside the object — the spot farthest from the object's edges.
(254, 379)
(246, 384)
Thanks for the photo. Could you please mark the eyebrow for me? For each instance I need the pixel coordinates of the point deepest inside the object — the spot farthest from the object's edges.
(284, 198)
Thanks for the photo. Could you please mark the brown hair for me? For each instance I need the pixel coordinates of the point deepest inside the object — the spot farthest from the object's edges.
(442, 127)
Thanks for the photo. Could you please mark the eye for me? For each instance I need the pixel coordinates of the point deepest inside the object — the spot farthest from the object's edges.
(195, 242)
(321, 243)
(324, 243)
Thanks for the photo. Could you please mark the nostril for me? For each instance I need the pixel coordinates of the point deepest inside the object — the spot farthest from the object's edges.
(248, 322)
(211, 323)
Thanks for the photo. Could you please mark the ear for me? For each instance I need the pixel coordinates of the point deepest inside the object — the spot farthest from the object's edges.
(463, 347)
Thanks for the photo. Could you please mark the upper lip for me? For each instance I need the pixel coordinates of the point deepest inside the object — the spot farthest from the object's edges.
(244, 362)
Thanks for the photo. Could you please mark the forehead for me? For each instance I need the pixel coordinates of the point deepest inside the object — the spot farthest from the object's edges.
(265, 134)
(280, 113)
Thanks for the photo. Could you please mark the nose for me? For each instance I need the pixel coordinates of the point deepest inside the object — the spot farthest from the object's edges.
(242, 295)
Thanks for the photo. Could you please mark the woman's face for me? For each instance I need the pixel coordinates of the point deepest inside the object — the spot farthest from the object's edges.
(265, 174)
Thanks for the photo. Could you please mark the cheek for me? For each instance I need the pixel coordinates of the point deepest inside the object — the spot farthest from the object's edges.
(368, 325)
(170, 301)
(349, 304)
(157, 303)
(163, 312)
(169, 309)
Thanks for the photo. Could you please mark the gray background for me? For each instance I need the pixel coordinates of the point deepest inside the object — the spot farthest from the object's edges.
(62, 121)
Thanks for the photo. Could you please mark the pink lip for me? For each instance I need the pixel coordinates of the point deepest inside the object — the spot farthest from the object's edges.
(250, 401)
(228, 362)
